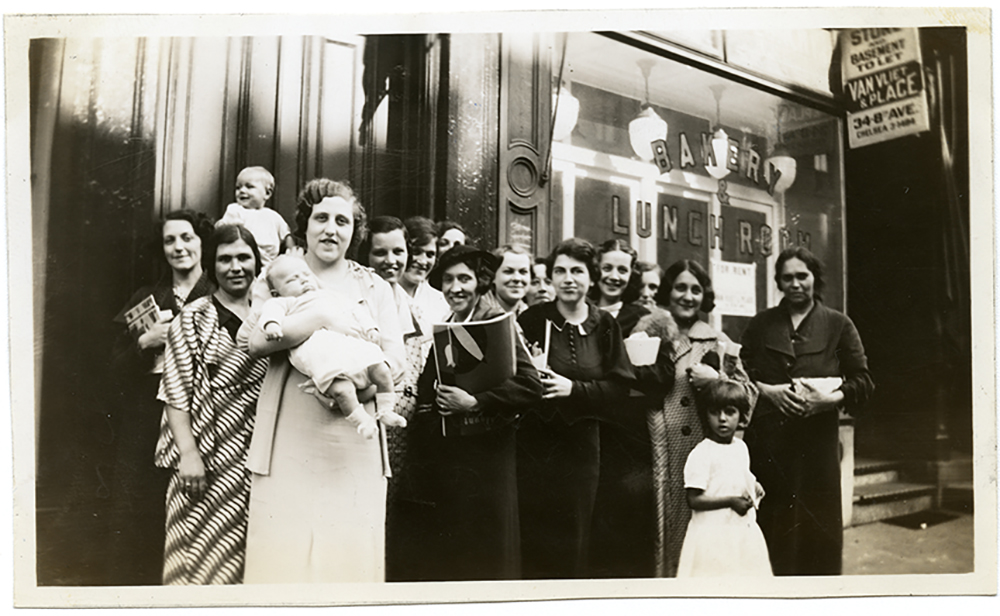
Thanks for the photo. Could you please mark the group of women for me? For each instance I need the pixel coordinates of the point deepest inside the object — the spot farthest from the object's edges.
(572, 467)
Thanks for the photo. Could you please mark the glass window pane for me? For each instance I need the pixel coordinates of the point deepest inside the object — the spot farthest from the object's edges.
(644, 134)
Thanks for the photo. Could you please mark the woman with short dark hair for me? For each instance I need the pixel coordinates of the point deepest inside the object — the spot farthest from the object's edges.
(209, 390)
(586, 376)
(808, 361)
(461, 457)
(138, 487)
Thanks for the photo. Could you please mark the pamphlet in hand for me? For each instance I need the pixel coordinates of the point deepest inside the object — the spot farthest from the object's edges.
(144, 315)
(476, 355)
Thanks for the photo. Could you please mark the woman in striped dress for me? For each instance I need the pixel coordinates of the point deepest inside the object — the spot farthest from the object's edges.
(210, 389)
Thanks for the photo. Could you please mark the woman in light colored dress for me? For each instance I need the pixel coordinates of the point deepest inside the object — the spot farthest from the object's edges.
(317, 505)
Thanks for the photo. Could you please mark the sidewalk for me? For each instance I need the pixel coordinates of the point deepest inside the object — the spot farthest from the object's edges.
(881, 548)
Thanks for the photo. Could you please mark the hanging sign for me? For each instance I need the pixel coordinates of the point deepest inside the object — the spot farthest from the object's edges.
(735, 287)
(883, 84)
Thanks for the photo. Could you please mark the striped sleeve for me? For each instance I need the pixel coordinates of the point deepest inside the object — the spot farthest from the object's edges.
(177, 382)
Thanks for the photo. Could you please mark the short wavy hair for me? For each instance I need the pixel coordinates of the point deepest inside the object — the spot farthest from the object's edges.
(483, 264)
(203, 225)
(631, 291)
(444, 226)
(662, 297)
(812, 263)
(578, 249)
(321, 188)
(421, 231)
(377, 225)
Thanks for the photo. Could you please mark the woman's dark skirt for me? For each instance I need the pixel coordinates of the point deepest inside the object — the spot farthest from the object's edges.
(557, 466)
(797, 461)
(457, 517)
(624, 529)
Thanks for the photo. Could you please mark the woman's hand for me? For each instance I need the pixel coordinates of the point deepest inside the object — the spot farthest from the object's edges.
(784, 398)
(452, 399)
(700, 375)
(156, 336)
(556, 385)
(815, 401)
(191, 472)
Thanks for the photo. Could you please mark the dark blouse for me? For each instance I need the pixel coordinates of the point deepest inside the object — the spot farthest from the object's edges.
(126, 357)
(629, 316)
(825, 344)
(590, 354)
(227, 319)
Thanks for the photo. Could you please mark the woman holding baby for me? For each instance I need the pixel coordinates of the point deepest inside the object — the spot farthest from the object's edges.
(317, 503)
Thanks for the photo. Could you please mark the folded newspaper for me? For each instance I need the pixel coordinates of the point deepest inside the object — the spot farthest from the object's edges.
(144, 315)
(475, 356)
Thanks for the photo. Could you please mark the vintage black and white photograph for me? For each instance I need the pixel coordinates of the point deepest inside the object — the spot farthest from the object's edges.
(674, 303)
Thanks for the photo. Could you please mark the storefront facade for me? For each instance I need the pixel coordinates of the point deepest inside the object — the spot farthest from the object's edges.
(522, 138)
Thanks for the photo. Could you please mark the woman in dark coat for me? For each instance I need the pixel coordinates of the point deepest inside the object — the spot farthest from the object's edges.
(793, 438)
(462, 453)
(624, 528)
(587, 378)
(138, 487)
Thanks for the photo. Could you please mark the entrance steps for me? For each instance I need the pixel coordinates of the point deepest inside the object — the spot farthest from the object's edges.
(886, 489)
(881, 491)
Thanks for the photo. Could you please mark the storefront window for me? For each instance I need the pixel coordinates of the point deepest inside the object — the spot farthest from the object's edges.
(640, 164)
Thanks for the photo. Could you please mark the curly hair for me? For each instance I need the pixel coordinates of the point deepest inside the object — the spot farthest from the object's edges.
(670, 275)
(321, 188)
(631, 291)
(202, 224)
(481, 267)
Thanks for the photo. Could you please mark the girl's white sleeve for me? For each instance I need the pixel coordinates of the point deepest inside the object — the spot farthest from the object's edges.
(697, 468)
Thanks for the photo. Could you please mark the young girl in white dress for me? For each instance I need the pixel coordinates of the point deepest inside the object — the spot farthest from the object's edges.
(722, 538)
